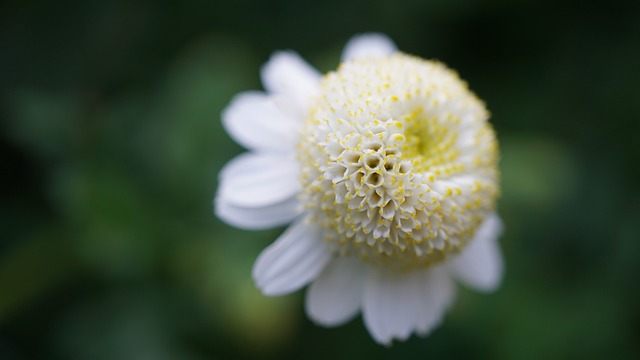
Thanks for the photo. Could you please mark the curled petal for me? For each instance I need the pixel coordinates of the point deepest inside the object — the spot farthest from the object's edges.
(296, 258)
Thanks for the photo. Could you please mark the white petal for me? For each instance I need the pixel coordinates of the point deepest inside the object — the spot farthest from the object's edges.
(286, 73)
(480, 263)
(256, 180)
(296, 258)
(257, 121)
(397, 304)
(368, 45)
(439, 293)
(335, 297)
(257, 218)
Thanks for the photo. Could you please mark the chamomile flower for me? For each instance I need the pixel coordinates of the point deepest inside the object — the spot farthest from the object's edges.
(386, 172)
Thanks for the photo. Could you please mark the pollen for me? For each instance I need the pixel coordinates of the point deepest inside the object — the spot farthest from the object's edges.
(398, 161)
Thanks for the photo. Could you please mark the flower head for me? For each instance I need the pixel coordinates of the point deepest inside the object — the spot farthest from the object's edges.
(387, 169)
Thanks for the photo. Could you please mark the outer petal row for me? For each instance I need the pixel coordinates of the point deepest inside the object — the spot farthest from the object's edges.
(395, 305)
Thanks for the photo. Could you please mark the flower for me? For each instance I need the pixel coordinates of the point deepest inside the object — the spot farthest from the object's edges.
(387, 171)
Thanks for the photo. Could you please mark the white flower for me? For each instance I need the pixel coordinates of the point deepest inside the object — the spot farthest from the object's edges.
(387, 170)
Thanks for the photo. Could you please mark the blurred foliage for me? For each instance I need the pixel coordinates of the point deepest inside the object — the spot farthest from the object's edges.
(111, 143)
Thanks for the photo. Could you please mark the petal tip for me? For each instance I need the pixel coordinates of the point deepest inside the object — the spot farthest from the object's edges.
(287, 73)
(371, 44)
(480, 265)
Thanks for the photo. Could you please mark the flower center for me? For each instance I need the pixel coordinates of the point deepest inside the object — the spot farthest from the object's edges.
(398, 162)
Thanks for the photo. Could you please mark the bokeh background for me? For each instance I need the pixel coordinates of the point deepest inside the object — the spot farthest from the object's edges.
(111, 143)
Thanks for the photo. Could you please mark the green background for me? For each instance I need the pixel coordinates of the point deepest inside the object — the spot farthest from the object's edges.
(111, 143)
